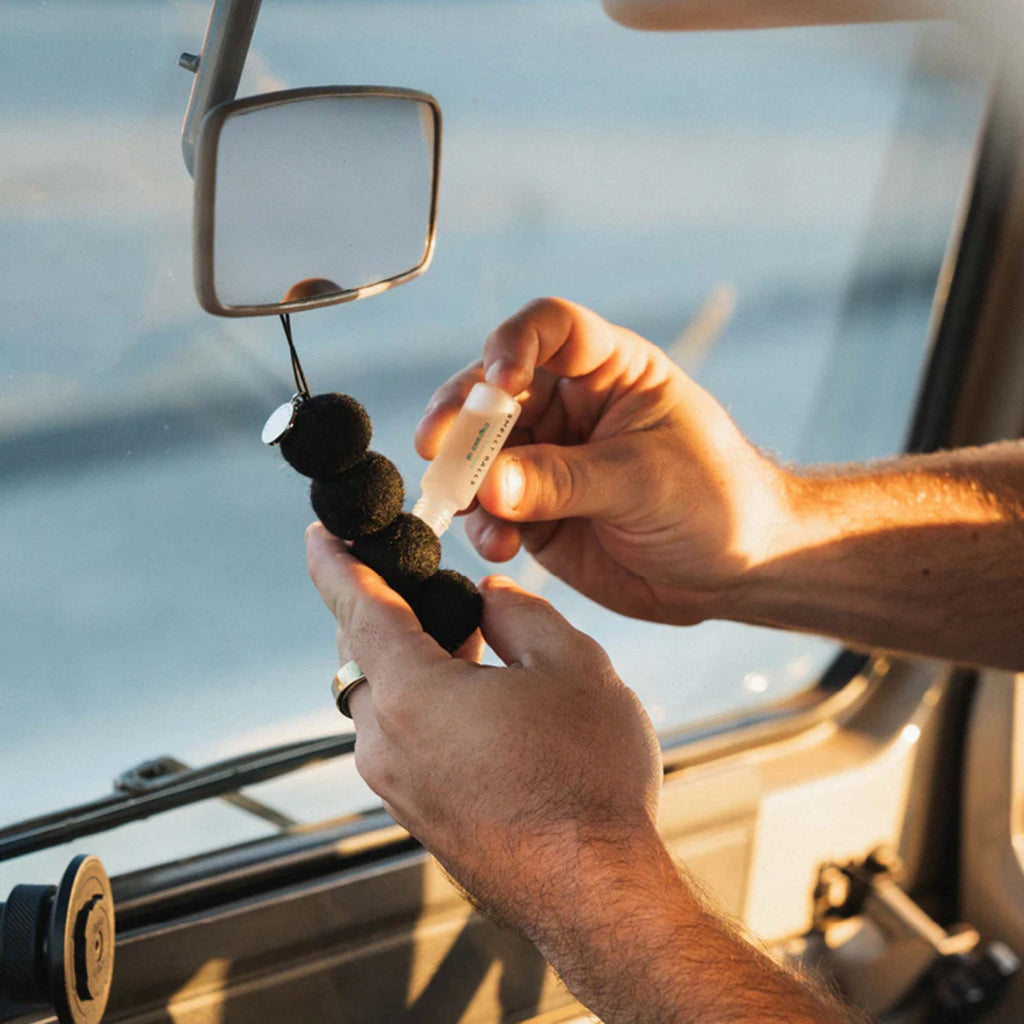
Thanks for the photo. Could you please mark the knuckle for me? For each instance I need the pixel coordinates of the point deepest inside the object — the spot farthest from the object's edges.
(505, 339)
(372, 769)
(563, 480)
(518, 340)
(343, 607)
(395, 715)
(588, 658)
(524, 321)
(536, 307)
(590, 650)
(546, 306)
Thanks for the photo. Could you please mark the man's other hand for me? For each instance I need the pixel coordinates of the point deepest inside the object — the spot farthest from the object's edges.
(508, 775)
(536, 786)
(623, 477)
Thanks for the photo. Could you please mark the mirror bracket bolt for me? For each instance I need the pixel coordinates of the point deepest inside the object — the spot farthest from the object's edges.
(189, 61)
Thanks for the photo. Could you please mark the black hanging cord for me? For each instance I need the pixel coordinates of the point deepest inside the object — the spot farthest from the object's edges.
(300, 377)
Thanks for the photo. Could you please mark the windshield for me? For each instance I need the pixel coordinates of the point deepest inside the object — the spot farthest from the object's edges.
(793, 191)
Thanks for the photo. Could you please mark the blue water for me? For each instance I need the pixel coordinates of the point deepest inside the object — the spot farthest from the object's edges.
(153, 593)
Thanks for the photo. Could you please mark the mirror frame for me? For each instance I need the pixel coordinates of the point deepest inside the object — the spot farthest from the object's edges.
(205, 199)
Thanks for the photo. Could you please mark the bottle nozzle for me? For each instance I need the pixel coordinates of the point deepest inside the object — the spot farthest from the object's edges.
(436, 514)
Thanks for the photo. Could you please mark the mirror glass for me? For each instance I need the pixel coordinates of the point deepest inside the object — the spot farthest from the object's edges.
(313, 197)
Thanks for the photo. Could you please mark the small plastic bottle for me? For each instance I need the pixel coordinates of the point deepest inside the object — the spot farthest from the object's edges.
(466, 454)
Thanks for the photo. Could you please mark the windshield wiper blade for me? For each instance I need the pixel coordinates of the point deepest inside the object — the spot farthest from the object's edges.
(165, 792)
(145, 777)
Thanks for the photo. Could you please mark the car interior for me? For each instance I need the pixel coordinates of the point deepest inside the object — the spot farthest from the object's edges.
(834, 247)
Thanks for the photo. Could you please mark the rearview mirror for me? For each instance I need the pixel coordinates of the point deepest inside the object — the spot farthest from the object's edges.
(315, 196)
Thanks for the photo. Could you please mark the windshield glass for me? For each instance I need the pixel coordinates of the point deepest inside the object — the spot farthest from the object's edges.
(793, 191)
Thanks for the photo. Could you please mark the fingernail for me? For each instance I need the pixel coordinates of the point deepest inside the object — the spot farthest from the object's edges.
(497, 372)
(513, 482)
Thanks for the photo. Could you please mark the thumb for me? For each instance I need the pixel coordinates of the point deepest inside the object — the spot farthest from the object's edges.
(541, 482)
(383, 634)
(522, 628)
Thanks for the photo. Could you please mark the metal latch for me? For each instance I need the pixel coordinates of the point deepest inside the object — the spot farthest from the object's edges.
(887, 954)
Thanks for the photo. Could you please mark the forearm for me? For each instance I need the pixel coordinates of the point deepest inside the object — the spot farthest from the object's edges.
(635, 943)
(923, 555)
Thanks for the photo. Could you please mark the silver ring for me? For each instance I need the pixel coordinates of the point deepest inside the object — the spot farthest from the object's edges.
(345, 680)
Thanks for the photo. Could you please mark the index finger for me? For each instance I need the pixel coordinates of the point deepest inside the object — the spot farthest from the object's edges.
(448, 399)
(443, 407)
(567, 339)
(558, 337)
(384, 635)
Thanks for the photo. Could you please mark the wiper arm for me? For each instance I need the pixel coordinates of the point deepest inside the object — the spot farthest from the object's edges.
(145, 792)
(144, 777)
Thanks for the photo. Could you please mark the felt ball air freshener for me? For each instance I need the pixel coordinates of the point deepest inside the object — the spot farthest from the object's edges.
(404, 552)
(448, 606)
(358, 495)
(328, 434)
(362, 500)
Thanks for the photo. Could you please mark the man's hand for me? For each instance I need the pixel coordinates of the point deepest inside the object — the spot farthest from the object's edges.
(633, 485)
(503, 773)
(536, 786)
(626, 479)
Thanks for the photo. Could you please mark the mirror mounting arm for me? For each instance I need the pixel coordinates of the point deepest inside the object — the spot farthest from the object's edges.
(218, 68)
